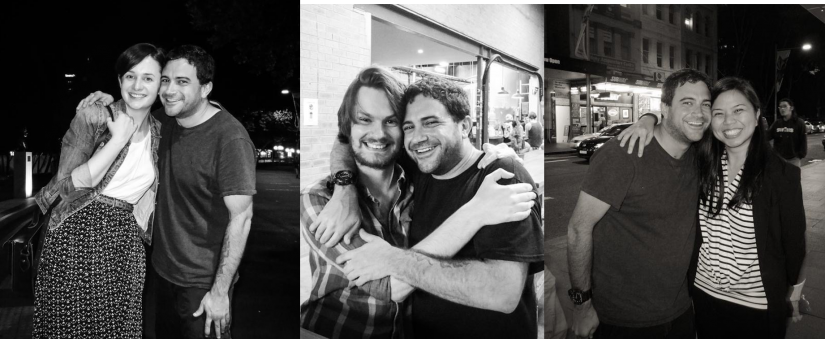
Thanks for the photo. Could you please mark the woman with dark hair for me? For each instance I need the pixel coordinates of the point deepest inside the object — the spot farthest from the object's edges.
(749, 253)
(91, 275)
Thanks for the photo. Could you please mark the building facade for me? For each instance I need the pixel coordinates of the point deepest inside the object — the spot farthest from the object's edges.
(456, 42)
(623, 53)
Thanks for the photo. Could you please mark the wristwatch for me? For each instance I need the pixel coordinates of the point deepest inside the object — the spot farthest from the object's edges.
(342, 178)
(578, 296)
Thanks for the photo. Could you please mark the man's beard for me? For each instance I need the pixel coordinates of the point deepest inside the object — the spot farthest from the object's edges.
(377, 162)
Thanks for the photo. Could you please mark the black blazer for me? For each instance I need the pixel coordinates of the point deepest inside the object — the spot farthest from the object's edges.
(779, 223)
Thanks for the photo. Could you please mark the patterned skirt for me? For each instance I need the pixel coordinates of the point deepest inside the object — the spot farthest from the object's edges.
(90, 281)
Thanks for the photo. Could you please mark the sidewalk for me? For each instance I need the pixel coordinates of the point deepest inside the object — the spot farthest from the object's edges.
(812, 325)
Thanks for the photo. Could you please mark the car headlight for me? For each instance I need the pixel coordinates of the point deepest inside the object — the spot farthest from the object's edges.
(597, 146)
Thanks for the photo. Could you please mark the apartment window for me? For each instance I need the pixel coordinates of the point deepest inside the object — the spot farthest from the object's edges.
(659, 12)
(625, 46)
(707, 27)
(699, 61)
(594, 48)
(607, 44)
(659, 55)
(671, 14)
(672, 57)
(698, 24)
(688, 20)
(645, 11)
(688, 58)
(708, 63)
(645, 50)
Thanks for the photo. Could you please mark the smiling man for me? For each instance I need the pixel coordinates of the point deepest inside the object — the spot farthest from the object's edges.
(206, 170)
(369, 124)
(631, 235)
(484, 290)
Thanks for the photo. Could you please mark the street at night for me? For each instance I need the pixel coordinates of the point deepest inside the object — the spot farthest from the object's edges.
(564, 173)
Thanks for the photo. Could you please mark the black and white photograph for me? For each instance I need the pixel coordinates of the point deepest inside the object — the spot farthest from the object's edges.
(421, 179)
(149, 170)
(698, 212)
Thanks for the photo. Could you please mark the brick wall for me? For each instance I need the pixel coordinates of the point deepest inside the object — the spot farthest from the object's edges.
(517, 30)
(335, 45)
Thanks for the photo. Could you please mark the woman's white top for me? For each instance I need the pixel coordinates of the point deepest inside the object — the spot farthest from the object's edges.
(728, 266)
(135, 175)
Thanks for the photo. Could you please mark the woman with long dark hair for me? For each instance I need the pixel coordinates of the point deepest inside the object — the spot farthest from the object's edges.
(752, 223)
(746, 269)
(92, 269)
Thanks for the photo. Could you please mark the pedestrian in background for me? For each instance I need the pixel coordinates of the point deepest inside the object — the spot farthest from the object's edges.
(788, 134)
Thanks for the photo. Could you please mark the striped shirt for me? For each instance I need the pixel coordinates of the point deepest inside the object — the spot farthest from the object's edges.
(728, 266)
(333, 309)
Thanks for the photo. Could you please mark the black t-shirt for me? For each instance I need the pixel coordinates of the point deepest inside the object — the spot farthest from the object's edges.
(643, 244)
(198, 167)
(435, 201)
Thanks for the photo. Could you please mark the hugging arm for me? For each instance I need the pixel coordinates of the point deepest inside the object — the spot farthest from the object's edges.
(342, 218)
(642, 131)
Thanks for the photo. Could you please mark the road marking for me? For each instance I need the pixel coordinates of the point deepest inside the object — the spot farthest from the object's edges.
(547, 162)
(548, 198)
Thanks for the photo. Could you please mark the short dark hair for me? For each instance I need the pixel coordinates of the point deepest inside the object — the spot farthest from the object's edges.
(135, 54)
(198, 57)
(446, 92)
(372, 77)
(790, 102)
(678, 79)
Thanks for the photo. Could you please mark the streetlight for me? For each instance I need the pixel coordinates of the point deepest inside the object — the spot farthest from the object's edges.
(286, 91)
(776, 50)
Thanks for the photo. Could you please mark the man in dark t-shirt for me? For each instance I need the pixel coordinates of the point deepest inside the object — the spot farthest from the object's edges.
(633, 229)
(206, 169)
(486, 289)
(206, 174)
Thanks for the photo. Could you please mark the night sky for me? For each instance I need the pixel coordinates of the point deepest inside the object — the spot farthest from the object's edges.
(750, 33)
(254, 43)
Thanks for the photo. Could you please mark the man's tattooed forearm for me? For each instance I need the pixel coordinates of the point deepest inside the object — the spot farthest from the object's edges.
(454, 263)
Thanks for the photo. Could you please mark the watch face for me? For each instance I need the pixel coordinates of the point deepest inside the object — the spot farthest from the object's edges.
(344, 175)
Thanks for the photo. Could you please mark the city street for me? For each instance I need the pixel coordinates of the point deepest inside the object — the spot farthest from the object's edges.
(264, 298)
(564, 173)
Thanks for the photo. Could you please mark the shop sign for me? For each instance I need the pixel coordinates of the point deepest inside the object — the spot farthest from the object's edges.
(620, 64)
(613, 112)
(561, 85)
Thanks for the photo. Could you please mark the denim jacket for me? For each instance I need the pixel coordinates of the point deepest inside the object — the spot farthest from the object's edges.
(87, 134)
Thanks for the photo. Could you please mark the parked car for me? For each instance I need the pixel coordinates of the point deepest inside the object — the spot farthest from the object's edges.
(809, 128)
(823, 141)
(584, 137)
(819, 126)
(588, 147)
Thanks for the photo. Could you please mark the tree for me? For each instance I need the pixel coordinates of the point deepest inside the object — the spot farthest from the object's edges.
(262, 33)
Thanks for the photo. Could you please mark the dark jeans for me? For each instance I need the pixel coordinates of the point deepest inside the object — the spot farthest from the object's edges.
(679, 328)
(168, 309)
(716, 318)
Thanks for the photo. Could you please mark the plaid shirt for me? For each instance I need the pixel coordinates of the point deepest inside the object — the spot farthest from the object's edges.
(333, 309)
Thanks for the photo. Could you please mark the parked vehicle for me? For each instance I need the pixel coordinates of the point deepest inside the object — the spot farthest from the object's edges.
(809, 128)
(578, 139)
(588, 147)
